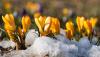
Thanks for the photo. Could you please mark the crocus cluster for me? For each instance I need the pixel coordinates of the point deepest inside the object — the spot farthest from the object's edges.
(47, 25)
(86, 24)
(10, 28)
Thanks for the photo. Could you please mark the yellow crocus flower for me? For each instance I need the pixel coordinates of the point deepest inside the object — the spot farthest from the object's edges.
(55, 26)
(7, 5)
(48, 25)
(26, 22)
(33, 7)
(80, 22)
(43, 24)
(93, 21)
(42, 20)
(65, 11)
(70, 29)
(88, 26)
(9, 22)
(9, 25)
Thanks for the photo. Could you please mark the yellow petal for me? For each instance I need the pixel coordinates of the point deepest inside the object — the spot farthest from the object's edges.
(38, 25)
(11, 17)
(4, 20)
(42, 21)
(9, 22)
(93, 22)
(26, 22)
(88, 26)
(55, 26)
(47, 24)
(11, 28)
(70, 26)
(80, 22)
(69, 29)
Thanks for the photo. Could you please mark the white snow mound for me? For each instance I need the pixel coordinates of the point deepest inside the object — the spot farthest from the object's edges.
(30, 37)
(45, 46)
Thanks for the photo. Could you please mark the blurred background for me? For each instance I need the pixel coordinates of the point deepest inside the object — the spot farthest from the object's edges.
(54, 7)
(62, 9)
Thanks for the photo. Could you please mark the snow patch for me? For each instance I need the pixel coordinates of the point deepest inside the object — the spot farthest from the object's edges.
(30, 37)
(47, 46)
